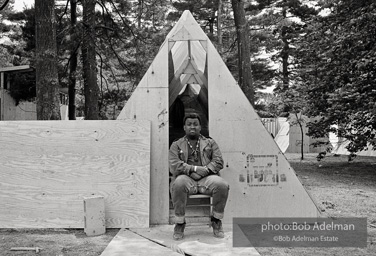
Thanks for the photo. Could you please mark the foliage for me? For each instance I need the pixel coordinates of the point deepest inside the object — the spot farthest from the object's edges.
(325, 63)
(339, 75)
(124, 49)
(204, 12)
(23, 86)
(276, 26)
(11, 40)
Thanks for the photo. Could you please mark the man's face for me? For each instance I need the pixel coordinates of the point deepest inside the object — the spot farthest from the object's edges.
(192, 127)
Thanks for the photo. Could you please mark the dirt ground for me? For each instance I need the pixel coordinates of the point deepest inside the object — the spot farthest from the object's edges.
(339, 188)
(54, 242)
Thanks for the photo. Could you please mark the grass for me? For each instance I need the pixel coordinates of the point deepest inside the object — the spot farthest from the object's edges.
(340, 189)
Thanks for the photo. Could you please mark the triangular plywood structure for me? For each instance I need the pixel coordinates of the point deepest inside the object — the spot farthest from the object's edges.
(262, 183)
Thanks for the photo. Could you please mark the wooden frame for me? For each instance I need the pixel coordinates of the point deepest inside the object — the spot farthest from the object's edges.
(233, 123)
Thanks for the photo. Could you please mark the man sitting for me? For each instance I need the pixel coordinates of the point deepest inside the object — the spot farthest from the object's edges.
(195, 162)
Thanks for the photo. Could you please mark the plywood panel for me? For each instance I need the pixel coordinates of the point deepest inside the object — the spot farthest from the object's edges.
(186, 29)
(150, 102)
(239, 132)
(128, 243)
(198, 240)
(48, 167)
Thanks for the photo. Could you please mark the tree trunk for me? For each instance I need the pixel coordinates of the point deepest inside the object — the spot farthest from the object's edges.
(89, 63)
(219, 25)
(299, 120)
(244, 59)
(73, 63)
(47, 83)
(285, 54)
(139, 16)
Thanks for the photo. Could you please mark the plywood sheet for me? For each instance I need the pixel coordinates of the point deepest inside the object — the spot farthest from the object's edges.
(186, 29)
(129, 243)
(150, 102)
(48, 167)
(239, 132)
(198, 240)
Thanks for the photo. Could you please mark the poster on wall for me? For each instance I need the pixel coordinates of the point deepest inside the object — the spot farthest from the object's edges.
(261, 170)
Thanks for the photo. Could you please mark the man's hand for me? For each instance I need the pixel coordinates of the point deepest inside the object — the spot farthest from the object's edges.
(195, 176)
(202, 171)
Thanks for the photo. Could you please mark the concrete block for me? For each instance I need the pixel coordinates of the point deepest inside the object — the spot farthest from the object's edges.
(94, 216)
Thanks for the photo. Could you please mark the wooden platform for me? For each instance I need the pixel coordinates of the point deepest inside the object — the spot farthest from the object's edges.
(198, 240)
(48, 167)
(129, 243)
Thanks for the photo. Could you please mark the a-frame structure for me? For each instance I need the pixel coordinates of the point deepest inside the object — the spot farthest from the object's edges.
(262, 183)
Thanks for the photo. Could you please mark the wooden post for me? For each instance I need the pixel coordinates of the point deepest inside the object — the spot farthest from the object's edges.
(94, 216)
(1, 95)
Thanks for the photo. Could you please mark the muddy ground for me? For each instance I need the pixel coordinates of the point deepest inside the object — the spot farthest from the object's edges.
(339, 188)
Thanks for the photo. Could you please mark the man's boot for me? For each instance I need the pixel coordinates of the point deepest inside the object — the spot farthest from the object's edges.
(179, 231)
(217, 228)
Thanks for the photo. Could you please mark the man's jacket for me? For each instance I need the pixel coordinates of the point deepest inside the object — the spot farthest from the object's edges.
(211, 156)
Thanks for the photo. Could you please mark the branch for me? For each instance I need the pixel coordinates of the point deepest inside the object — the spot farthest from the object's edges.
(4, 5)
(231, 47)
(117, 11)
(120, 60)
(112, 72)
(65, 12)
(104, 27)
(75, 51)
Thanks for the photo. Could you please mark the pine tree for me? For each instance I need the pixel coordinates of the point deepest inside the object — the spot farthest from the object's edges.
(48, 105)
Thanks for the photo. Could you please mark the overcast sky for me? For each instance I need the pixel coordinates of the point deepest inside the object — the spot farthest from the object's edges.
(19, 4)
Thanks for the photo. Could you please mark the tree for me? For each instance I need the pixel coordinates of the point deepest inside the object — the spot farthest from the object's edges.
(89, 62)
(244, 58)
(294, 101)
(341, 76)
(73, 61)
(204, 13)
(47, 82)
(277, 25)
(11, 53)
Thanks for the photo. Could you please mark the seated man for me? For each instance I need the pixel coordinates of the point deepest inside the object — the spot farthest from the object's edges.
(195, 162)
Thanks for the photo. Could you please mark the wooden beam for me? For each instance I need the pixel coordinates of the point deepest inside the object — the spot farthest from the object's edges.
(189, 79)
(171, 68)
(189, 69)
(1, 80)
(171, 45)
(175, 87)
(204, 44)
(181, 68)
(16, 68)
(200, 74)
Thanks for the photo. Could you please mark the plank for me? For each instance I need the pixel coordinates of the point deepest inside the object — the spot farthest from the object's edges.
(48, 167)
(186, 29)
(198, 240)
(151, 103)
(129, 243)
